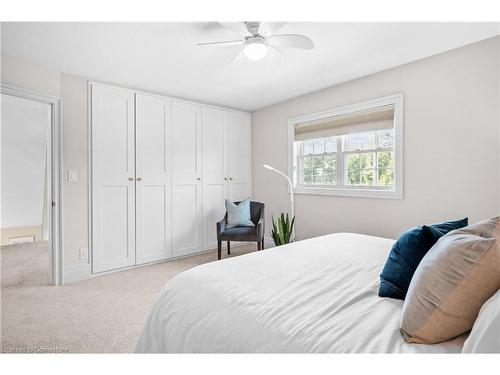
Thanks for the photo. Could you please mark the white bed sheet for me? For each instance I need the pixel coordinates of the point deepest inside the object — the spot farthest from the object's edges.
(312, 296)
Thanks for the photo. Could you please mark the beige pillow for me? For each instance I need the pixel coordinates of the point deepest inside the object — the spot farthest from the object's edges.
(458, 274)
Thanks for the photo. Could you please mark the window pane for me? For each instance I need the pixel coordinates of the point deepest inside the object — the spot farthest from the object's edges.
(308, 147)
(354, 142)
(318, 170)
(317, 162)
(367, 177)
(386, 177)
(386, 160)
(331, 144)
(361, 141)
(353, 177)
(385, 138)
(353, 161)
(367, 160)
(317, 179)
(308, 165)
(330, 179)
(369, 141)
(329, 163)
(307, 179)
(319, 146)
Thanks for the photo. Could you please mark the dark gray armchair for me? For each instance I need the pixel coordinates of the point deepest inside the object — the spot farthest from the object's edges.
(244, 234)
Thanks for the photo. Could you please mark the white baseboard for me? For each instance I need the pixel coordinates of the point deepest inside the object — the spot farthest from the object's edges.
(76, 274)
(83, 272)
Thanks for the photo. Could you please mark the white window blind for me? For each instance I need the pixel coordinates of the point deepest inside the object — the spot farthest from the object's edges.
(359, 122)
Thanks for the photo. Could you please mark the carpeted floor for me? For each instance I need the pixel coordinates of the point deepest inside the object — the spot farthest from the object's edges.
(104, 314)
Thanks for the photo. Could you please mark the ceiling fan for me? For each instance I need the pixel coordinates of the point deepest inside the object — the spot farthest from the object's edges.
(258, 37)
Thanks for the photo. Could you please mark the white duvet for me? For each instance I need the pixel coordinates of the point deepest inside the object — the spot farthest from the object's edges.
(312, 296)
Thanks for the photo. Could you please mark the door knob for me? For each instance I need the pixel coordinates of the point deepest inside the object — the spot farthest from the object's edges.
(199, 178)
(131, 179)
(230, 178)
(225, 178)
(139, 178)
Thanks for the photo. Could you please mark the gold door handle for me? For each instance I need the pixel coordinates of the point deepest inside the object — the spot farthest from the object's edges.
(225, 178)
(139, 178)
(131, 179)
(230, 179)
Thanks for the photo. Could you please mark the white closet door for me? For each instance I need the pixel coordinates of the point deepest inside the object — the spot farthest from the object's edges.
(153, 178)
(214, 176)
(186, 184)
(113, 193)
(239, 156)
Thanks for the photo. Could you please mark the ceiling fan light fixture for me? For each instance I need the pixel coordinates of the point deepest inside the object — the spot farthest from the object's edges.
(255, 50)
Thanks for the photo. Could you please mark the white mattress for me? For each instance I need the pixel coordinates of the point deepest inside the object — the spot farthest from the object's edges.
(317, 295)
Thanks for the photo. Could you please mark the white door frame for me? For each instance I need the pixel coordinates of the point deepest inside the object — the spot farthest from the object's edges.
(55, 181)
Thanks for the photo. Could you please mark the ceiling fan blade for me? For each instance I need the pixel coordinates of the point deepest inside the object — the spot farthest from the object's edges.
(269, 28)
(253, 27)
(235, 56)
(225, 43)
(291, 40)
(239, 27)
(279, 51)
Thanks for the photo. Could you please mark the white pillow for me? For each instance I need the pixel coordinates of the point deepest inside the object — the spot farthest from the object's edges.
(485, 334)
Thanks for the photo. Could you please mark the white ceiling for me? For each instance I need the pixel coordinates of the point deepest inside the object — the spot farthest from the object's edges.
(163, 57)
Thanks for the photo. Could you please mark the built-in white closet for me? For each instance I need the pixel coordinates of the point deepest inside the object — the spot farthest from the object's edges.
(161, 169)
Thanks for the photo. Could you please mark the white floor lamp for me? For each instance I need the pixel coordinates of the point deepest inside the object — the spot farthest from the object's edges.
(290, 186)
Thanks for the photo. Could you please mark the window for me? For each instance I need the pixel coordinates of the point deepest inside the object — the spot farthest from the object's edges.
(318, 161)
(354, 151)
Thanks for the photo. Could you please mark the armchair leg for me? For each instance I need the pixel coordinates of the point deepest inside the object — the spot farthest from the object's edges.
(262, 246)
(259, 245)
(228, 248)
(219, 249)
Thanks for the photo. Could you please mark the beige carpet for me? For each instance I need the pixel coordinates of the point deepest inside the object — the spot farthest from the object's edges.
(101, 315)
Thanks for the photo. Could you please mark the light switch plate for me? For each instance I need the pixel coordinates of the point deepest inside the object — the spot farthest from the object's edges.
(84, 253)
(72, 176)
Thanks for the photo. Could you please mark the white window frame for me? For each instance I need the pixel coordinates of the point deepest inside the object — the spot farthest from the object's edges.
(355, 191)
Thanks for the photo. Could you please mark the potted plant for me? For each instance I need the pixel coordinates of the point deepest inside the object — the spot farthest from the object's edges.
(282, 232)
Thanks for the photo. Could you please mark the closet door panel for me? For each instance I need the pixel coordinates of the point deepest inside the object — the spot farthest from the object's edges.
(153, 178)
(239, 155)
(214, 180)
(113, 193)
(186, 164)
(213, 210)
(186, 220)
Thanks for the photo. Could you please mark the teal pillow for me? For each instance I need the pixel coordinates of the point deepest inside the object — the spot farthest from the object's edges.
(238, 215)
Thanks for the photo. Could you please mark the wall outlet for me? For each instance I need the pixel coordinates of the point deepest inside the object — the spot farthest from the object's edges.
(84, 253)
(72, 176)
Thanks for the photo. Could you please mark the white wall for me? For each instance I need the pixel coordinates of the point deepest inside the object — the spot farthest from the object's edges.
(75, 206)
(451, 146)
(25, 125)
(26, 74)
(73, 90)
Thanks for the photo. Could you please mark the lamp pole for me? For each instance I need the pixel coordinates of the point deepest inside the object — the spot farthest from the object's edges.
(290, 187)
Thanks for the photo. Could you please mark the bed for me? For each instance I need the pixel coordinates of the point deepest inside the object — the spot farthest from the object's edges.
(313, 296)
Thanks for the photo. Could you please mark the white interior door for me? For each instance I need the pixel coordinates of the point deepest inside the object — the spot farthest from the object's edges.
(186, 175)
(153, 178)
(214, 176)
(239, 155)
(113, 170)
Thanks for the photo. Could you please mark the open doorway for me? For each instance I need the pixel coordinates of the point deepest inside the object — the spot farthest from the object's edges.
(29, 221)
